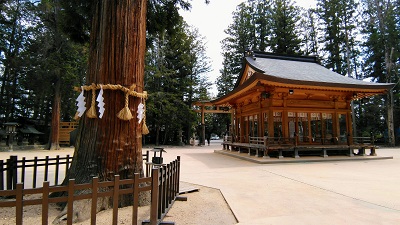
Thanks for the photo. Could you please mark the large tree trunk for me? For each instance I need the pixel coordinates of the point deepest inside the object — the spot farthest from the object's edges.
(110, 146)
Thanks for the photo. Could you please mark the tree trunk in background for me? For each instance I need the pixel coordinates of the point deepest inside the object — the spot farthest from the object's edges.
(110, 146)
(388, 65)
(390, 100)
(54, 138)
(390, 120)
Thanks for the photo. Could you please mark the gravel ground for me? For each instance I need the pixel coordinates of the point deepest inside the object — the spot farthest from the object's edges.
(205, 206)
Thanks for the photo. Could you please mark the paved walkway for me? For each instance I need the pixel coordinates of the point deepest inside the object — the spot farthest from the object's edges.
(338, 192)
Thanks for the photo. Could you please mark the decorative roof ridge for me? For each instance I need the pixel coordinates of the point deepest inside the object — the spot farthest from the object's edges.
(260, 54)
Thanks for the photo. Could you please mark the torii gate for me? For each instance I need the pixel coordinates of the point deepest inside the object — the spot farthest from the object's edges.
(208, 107)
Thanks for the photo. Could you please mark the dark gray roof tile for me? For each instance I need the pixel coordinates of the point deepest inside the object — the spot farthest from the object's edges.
(302, 71)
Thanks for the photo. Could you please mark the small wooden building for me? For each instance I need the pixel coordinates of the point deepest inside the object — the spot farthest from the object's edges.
(294, 97)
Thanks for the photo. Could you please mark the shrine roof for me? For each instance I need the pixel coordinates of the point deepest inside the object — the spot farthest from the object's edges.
(296, 72)
(30, 130)
(303, 70)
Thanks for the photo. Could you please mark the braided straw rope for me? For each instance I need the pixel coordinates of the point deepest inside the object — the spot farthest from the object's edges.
(125, 113)
(145, 130)
(130, 91)
(91, 113)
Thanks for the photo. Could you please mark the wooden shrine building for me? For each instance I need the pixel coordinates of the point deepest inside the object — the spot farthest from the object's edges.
(292, 103)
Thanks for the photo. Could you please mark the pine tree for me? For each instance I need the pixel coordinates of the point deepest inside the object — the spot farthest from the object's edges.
(285, 33)
(13, 37)
(176, 60)
(309, 33)
(258, 25)
(382, 51)
(240, 36)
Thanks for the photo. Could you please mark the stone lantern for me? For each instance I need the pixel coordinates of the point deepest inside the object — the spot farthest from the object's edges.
(11, 130)
(157, 159)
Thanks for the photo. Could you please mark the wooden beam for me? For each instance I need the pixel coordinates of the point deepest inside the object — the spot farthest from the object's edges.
(212, 111)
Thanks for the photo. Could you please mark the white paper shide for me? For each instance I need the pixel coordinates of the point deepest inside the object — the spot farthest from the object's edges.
(81, 104)
(100, 100)
(140, 112)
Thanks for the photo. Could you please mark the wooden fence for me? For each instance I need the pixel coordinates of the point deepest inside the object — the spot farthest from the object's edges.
(13, 171)
(163, 184)
(64, 133)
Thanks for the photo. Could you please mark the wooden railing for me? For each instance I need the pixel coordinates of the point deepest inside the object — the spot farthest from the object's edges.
(269, 144)
(13, 171)
(163, 184)
(32, 172)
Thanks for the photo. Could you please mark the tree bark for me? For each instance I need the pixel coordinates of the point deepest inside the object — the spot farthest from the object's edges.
(390, 120)
(54, 139)
(117, 51)
(109, 146)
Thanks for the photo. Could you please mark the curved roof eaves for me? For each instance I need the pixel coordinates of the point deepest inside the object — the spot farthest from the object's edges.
(310, 72)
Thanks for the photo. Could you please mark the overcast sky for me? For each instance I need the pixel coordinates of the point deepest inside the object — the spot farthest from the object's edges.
(212, 20)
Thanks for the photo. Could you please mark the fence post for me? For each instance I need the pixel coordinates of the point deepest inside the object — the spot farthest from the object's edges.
(178, 172)
(67, 165)
(9, 174)
(1, 175)
(19, 204)
(176, 179)
(161, 192)
(70, 201)
(115, 199)
(35, 167)
(148, 165)
(178, 169)
(154, 196)
(12, 172)
(23, 171)
(45, 203)
(95, 189)
(135, 198)
(171, 195)
(57, 170)
(46, 169)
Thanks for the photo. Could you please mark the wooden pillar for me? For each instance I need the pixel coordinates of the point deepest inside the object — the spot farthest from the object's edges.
(203, 127)
(309, 128)
(260, 120)
(243, 129)
(335, 121)
(270, 122)
(270, 116)
(349, 128)
(240, 138)
(236, 123)
(232, 127)
(285, 124)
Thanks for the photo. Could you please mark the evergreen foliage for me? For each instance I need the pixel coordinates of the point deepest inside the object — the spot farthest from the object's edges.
(270, 25)
(175, 63)
(381, 52)
(48, 41)
(353, 38)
